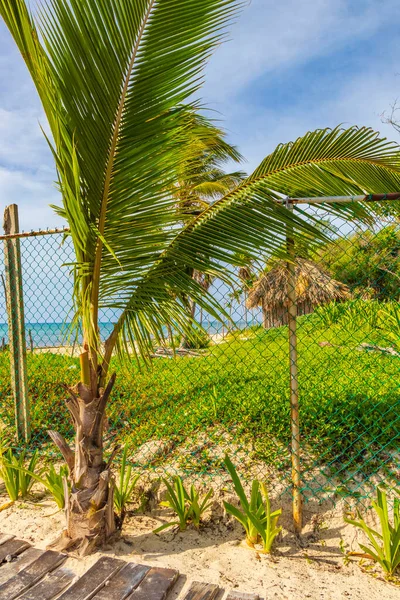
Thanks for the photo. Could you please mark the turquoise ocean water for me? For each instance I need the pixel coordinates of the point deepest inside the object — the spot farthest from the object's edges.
(46, 335)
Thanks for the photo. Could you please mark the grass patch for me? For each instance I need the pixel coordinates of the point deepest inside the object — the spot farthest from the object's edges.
(349, 397)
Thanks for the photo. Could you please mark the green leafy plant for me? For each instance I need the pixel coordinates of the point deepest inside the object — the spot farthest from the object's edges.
(188, 506)
(260, 524)
(198, 504)
(385, 546)
(54, 482)
(9, 475)
(390, 324)
(331, 313)
(353, 314)
(197, 340)
(125, 486)
(18, 481)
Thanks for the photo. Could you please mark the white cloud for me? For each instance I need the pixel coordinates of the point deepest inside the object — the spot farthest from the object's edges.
(22, 142)
(270, 36)
(33, 192)
(269, 39)
(359, 100)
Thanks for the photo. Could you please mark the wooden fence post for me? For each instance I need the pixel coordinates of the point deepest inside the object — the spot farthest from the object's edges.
(16, 323)
(294, 383)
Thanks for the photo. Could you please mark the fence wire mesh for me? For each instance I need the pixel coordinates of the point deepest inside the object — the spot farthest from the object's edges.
(231, 393)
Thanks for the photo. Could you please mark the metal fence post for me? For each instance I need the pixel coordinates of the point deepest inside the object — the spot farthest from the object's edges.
(294, 384)
(16, 323)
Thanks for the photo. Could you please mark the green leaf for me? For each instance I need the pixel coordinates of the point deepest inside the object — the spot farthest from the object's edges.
(166, 526)
(236, 482)
(239, 515)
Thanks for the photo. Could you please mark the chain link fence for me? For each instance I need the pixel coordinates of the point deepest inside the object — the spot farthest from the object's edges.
(232, 393)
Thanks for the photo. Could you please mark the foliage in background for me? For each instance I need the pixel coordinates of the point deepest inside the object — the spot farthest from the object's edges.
(358, 314)
(189, 507)
(353, 314)
(390, 324)
(384, 545)
(197, 339)
(238, 391)
(367, 261)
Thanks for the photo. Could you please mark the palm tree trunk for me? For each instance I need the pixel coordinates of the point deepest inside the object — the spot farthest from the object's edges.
(90, 518)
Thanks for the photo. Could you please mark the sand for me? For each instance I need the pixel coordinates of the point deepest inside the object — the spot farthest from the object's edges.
(76, 350)
(312, 569)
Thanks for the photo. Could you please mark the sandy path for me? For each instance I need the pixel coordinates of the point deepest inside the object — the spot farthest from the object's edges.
(216, 555)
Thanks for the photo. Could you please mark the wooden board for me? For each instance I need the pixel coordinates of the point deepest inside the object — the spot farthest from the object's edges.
(31, 574)
(123, 583)
(50, 586)
(202, 591)
(156, 585)
(234, 595)
(4, 537)
(12, 547)
(93, 580)
(8, 570)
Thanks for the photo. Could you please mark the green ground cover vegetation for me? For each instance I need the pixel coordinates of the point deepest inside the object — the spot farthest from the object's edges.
(349, 395)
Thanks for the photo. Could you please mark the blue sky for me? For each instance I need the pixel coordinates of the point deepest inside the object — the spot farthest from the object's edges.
(290, 66)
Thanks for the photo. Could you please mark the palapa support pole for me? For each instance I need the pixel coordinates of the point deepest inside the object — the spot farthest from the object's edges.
(16, 323)
(294, 384)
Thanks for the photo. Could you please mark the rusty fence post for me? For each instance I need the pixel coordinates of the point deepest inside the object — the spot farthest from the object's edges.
(294, 383)
(16, 323)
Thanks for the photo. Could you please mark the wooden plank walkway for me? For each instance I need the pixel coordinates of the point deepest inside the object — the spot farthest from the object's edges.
(30, 574)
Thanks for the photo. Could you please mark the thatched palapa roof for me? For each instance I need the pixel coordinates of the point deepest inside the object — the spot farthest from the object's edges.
(313, 286)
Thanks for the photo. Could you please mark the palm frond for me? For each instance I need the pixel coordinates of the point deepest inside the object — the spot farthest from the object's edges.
(114, 78)
(249, 221)
(119, 73)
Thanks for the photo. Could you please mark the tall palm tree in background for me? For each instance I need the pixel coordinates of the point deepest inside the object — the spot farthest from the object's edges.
(203, 180)
(116, 78)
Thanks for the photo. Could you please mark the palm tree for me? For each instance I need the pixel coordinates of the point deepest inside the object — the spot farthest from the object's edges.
(201, 182)
(113, 77)
(202, 178)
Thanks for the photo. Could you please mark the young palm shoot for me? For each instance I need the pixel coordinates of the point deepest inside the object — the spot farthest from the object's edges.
(176, 501)
(26, 479)
(9, 475)
(125, 486)
(18, 481)
(385, 546)
(259, 523)
(188, 506)
(198, 504)
(267, 527)
(56, 483)
(254, 506)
